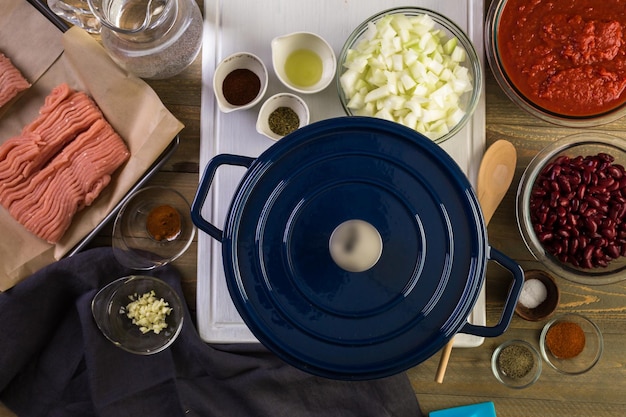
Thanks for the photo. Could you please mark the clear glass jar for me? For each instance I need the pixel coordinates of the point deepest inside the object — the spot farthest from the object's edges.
(76, 12)
(151, 39)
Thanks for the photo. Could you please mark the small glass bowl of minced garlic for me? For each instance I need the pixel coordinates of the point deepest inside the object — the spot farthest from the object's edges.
(140, 314)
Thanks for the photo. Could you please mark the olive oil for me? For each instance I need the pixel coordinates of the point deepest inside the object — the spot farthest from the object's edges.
(303, 67)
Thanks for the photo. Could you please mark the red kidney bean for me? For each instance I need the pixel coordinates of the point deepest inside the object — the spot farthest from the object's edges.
(591, 225)
(564, 184)
(613, 251)
(593, 201)
(573, 246)
(578, 209)
(552, 219)
(545, 236)
(614, 172)
(609, 233)
(538, 192)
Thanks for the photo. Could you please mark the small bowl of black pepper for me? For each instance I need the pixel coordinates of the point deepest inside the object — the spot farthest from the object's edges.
(282, 114)
(239, 82)
(516, 364)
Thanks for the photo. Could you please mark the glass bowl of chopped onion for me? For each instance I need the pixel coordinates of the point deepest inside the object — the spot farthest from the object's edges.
(570, 208)
(140, 314)
(412, 66)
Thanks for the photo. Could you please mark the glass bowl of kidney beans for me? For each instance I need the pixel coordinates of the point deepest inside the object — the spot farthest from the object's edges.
(571, 208)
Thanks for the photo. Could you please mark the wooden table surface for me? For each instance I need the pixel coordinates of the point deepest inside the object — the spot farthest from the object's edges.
(597, 393)
(468, 380)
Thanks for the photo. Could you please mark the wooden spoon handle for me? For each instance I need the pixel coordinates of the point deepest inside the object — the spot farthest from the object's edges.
(443, 361)
(505, 150)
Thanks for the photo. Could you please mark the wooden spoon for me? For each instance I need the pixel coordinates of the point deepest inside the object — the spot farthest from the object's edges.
(494, 178)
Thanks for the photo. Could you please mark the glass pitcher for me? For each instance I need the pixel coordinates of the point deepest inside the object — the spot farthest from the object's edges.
(76, 12)
(152, 39)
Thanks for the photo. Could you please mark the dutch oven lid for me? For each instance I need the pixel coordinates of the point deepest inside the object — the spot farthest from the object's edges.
(354, 248)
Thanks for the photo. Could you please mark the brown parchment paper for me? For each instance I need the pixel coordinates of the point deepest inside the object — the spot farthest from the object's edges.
(128, 103)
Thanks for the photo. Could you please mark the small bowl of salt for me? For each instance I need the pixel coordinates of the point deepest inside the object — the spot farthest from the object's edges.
(539, 297)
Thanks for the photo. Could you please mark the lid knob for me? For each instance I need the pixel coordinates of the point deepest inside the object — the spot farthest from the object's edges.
(355, 245)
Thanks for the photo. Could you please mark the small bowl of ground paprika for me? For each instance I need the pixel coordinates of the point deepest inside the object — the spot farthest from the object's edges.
(152, 229)
(239, 82)
(571, 343)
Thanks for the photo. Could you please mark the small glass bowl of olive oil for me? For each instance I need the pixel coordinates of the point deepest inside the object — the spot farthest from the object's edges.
(303, 61)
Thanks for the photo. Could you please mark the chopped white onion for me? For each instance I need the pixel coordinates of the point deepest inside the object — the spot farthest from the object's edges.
(407, 71)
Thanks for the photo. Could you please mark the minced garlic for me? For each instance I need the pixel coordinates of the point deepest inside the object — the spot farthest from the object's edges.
(148, 312)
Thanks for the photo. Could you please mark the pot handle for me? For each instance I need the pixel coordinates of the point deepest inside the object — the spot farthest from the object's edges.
(511, 299)
(205, 186)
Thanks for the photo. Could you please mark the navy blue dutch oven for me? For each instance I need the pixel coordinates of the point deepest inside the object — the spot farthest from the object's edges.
(354, 248)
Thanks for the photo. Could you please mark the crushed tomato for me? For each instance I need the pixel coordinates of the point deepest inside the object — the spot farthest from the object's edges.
(567, 56)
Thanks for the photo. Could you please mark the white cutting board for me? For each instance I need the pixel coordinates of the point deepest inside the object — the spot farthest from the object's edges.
(238, 25)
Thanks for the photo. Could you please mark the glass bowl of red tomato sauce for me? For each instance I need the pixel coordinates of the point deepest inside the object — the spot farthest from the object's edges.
(565, 65)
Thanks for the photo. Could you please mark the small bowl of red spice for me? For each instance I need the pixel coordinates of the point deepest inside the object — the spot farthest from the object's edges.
(561, 64)
(239, 82)
(571, 343)
(153, 228)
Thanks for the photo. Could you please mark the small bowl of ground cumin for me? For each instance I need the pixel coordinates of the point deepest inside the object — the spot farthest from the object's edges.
(516, 364)
(571, 343)
(282, 114)
(239, 82)
(153, 228)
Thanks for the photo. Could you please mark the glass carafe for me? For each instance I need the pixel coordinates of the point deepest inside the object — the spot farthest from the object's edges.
(76, 12)
(152, 39)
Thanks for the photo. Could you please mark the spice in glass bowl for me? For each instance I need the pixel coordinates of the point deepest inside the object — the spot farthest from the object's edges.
(283, 121)
(164, 223)
(516, 361)
(565, 340)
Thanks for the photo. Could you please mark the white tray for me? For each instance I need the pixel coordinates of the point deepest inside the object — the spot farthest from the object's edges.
(238, 25)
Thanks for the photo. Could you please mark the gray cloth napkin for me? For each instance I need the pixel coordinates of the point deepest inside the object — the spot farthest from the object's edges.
(55, 362)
